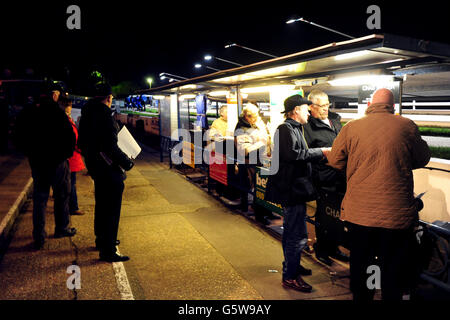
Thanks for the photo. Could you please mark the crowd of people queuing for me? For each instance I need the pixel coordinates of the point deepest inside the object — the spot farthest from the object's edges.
(369, 160)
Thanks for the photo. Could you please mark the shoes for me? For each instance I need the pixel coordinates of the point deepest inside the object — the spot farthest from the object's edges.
(114, 258)
(77, 213)
(263, 220)
(39, 244)
(321, 257)
(273, 217)
(325, 260)
(304, 271)
(70, 232)
(339, 255)
(297, 284)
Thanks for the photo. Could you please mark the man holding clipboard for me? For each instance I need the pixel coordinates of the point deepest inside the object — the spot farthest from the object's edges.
(106, 163)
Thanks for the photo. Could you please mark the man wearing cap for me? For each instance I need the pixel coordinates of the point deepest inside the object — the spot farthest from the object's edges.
(45, 135)
(379, 152)
(320, 131)
(291, 187)
(106, 164)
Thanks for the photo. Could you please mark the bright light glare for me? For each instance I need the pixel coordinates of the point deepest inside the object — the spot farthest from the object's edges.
(290, 21)
(218, 93)
(162, 77)
(158, 97)
(267, 89)
(208, 57)
(351, 55)
(149, 80)
(358, 80)
(198, 65)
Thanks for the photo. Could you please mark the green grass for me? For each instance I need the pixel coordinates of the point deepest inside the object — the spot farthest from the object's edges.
(440, 152)
(437, 132)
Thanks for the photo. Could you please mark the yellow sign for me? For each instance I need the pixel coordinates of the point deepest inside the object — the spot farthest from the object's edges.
(188, 154)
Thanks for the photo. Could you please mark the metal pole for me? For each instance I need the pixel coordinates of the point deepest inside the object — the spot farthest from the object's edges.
(257, 51)
(231, 62)
(212, 68)
(329, 29)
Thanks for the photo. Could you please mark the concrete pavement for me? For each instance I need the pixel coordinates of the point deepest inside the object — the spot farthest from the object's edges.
(183, 243)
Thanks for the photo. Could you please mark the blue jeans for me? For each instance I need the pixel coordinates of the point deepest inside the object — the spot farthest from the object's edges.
(295, 238)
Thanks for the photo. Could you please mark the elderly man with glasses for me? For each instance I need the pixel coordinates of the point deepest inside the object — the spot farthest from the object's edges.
(320, 131)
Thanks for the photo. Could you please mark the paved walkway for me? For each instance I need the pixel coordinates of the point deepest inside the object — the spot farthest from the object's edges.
(183, 244)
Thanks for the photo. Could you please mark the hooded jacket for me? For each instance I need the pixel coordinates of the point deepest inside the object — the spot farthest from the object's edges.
(97, 141)
(379, 152)
(294, 162)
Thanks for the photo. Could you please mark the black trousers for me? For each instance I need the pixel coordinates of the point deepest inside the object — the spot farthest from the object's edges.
(108, 202)
(44, 177)
(391, 250)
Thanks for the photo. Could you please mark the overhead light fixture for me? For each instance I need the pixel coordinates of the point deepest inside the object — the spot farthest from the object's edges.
(218, 93)
(362, 79)
(351, 55)
(208, 57)
(187, 96)
(158, 97)
(267, 88)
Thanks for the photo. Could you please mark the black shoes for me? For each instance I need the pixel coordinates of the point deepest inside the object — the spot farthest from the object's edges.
(297, 284)
(77, 213)
(324, 259)
(273, 217)
(338, 255)
(38, 244)
(70, 232)
(302, 271)
(114, 258)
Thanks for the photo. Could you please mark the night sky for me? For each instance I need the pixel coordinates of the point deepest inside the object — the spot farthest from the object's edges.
(129, 40)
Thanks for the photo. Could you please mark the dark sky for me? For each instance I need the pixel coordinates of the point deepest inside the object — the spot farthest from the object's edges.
(128, 40)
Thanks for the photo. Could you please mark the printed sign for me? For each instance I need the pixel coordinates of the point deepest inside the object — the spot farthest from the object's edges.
(260, 186)
(218, 171)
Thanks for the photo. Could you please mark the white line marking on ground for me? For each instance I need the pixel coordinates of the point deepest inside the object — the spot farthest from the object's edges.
(122, 280)
(12, 211)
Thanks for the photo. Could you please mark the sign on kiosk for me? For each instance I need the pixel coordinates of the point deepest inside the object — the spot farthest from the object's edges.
(366, 92)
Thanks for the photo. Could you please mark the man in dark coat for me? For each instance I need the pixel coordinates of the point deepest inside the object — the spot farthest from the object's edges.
(320, 131)
(284, 186)
(106, 164)
(45, 135)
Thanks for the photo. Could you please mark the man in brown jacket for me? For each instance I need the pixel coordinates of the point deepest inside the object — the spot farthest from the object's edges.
(379, 152)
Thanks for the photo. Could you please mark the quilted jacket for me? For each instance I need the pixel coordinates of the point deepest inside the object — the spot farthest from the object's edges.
(379, 152)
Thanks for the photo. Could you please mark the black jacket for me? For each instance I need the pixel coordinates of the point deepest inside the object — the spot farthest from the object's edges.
(320, 135)
(294, 162)
(97, 135)
(44, 133)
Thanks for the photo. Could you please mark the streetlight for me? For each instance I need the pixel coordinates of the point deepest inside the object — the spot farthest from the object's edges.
(210, 57)
(250, 49)
(318, 25)
(164, 75)
(198, 66)
(149, 81)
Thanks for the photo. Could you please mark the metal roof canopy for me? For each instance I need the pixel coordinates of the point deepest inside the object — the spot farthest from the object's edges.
(373, 54)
